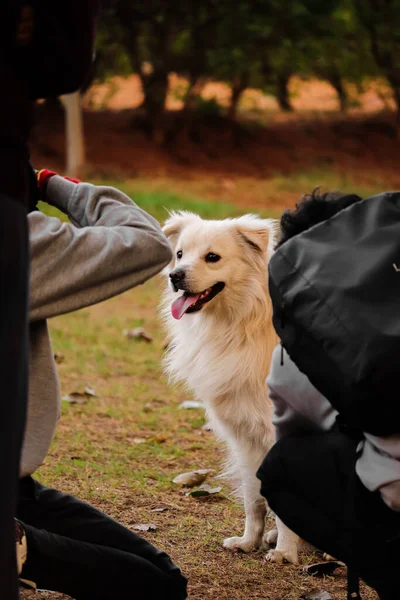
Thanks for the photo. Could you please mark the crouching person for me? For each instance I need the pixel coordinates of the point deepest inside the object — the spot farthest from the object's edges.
(112, 245)
(333, 476)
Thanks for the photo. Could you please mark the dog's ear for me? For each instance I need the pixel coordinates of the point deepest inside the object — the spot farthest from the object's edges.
(176, 222)
(255, 232)
(276, 231)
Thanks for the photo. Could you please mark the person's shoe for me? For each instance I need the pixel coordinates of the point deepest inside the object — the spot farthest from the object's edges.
(22, 549)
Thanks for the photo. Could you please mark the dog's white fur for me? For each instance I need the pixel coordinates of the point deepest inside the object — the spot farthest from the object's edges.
(223, 352)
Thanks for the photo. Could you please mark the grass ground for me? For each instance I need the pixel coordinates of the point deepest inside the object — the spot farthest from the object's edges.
(229, 197)
(121, 449)
(223, 197)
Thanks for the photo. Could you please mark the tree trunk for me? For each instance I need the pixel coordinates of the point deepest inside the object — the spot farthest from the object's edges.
(394, 81)
(282, 91)
(155, 90)
(75, 144)
(238, 85)
(385, 54)
(396, 93)
(196, 86)
(184, 122)
(336, 82)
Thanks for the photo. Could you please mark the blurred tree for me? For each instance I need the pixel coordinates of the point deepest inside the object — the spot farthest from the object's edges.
(277, 69)
(111, 57)
(245, 43)
(145, 31)
(248, 43)
(164, 36)
(287, 29)
(381, 21)
(258, 43)
(339, 53)
(234, 56)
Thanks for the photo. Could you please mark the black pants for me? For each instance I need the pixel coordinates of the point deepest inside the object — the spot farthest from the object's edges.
(310, 483)
(75, 549)
(14, 264)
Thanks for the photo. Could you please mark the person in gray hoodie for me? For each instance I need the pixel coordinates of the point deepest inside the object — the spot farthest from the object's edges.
(110, 245)
(337, 488)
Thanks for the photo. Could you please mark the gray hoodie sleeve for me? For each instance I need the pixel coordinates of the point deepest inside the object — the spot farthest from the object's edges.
(111, 246)
(298, 407)
(379, 467)
(286, 420)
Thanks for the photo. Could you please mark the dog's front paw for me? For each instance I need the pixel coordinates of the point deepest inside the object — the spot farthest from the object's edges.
(275, 556)
(240, 544)
(279, 557)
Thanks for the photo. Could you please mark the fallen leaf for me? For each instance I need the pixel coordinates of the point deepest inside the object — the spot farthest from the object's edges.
(75, 398)
(159, 510)
(90, 392)
(323, 568)
(80, 397)
(326, 556)
(191, 404)
(145, 527)
(59, 358)
(204, 490)
(139, 333)
(192, 478)
(317, 595)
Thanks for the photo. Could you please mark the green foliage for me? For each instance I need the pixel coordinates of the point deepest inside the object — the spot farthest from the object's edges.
(381, 23)
(341, 47)
(158, 203)
(251, 43)
(111, 54)
(208, 107)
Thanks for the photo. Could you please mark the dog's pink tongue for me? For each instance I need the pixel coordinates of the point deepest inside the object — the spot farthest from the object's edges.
(181, 304)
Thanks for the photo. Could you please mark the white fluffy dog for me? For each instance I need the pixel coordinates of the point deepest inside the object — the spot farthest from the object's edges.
(218, 314)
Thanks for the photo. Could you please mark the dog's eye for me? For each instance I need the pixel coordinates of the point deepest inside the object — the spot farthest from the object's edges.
(212, 257)
(179, 254)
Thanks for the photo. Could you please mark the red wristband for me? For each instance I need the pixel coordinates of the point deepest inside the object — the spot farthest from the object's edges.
(44, 175)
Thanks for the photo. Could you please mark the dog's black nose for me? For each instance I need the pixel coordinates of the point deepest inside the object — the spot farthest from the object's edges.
(177, 275)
